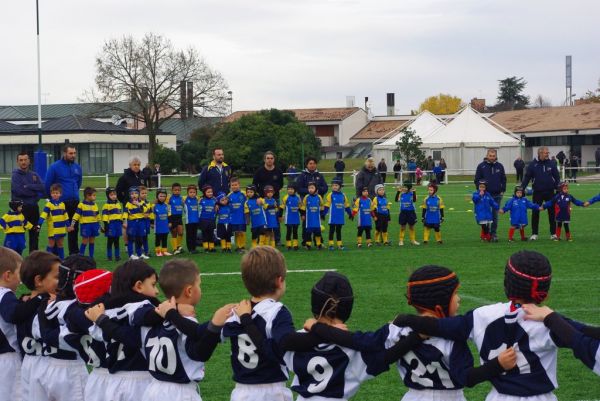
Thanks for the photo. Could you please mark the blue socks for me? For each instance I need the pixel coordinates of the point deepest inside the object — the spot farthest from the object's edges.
(145, 240)
(82, 249)
(130, 247)
(92, 251)
(61, 253)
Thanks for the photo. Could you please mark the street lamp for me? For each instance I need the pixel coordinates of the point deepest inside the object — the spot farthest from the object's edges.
(39, 158)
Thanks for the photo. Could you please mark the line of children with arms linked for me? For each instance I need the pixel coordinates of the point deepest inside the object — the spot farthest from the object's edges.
(78, 317)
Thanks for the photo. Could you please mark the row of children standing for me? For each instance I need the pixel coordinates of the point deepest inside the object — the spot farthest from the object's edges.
(77, 315)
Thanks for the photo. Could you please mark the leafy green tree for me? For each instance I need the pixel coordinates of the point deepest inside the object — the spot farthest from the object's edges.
(193, 153)
(168, 159)
(409, 147)
(510, 94)
(245, 140)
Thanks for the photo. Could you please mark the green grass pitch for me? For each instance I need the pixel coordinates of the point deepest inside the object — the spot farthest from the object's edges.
(379, 274)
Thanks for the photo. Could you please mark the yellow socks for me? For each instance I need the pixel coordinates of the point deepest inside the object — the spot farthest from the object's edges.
(157, 250)
(402, 231)
(288, 244)
(411, 233)
(205, 246)
(385, 237)
(295, 242)
(426, 234)
(318, 241)
(211, 245)
(438, 236)
(174, 243)
(330, 242)
(254, 243)
(223, 244)
(179, 240)
(359, 240)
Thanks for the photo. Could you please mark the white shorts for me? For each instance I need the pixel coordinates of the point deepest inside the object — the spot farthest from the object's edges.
(434, 395)
(318, 398)
(261, 392)
(33, 368)
(10, 377)
(121, 386)
(496, 396)
(64, 380)
(161, 391)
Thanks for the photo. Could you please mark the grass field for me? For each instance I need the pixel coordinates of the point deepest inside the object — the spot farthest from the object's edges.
(378, 276)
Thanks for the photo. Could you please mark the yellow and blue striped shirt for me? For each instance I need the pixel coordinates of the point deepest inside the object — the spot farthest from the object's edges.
(134, 212)
(87, 213)
(14, 223)
(57, 217)
(112, 211)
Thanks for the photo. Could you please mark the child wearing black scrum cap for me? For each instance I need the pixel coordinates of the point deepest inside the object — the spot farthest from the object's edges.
(340, 369)
(407, 197)
(494, 328)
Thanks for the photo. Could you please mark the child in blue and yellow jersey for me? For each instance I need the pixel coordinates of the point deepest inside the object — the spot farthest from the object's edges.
(224, 222)
(14, 225)
(517, 206)
(562, 209)
(208, 212)
(146, 220)
(381, 210)
(336, 204)
(272, 214)
(363, 208)
(256, 216)
(88, 216)
(58, 221)
(483, 204)
(312, 208)
(133, 221)
(160, 218)
(191, 213)
(237, 202)
(290, 207)
(432, 214)
(407, 197)
(112, 216)
(175, 203)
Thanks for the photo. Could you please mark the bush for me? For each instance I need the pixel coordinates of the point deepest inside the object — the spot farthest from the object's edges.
(169, 160)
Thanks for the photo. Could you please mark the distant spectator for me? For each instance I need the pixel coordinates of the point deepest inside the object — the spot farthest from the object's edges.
(155, 173)
(132, 177)
(519, 168)
(397, 169)
(567, 167)
(429, 165)
(382, 170)
(339, 166)
(147, 175)
(437, 171)
(561, 157)
(597, 157)
(574, 166)
(444, 167)
(367, 177)
(27, 186)
(69, 175)
(292, 173)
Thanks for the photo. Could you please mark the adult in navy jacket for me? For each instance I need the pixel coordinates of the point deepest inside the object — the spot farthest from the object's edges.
(493, 173)
(68, 174)
(544, 174)
(216, 174)
(311, 174)
(27, 186)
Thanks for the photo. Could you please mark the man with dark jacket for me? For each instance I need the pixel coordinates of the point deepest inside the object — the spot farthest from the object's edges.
(519, 165)
(597, 157)
(27, 186)
(339, 166)
(269, 174)
(216, 174)
(493, 173)
(311, 174)
(382, 169)
(367, 177)
(132, 177)
(68, 174)
(544, 174)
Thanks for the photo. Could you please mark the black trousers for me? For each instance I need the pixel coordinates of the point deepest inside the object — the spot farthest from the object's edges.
(160, 240)
(208, 230)
(32, 215)
(519, 175)
(71, 207)
(291, 232)
(539, 198)
(335, 229)
(191, 230)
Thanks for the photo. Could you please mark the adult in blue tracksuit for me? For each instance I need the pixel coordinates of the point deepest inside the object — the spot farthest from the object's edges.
(68, 174)
(544, 174)
(492, 172)
(217, 174)
(27, 186)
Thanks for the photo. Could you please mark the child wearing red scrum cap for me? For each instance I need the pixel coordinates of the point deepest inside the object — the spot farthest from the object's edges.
(494, 328)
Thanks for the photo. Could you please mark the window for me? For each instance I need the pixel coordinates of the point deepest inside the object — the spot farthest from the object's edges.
(437, 155)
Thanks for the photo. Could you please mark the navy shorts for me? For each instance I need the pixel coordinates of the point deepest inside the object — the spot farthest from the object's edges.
(16, 242)
(115, 229)
(236, 228)
(175, 220)
(407, 217)
(136, 228)
(88, 230)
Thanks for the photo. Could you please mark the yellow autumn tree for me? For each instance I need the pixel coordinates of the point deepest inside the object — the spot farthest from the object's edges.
(441, 104)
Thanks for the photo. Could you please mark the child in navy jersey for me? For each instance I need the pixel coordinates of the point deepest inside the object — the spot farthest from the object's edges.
(562, 209)
(494, 328)
(517, 206)
(133, 291)
(39, 273)
(177, 348)
(258, 377)
(12, 311)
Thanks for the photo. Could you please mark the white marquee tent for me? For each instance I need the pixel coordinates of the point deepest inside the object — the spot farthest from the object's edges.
(463, 142)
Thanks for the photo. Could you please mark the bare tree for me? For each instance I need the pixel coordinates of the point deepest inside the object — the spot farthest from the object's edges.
(142, 79)
(540, 101)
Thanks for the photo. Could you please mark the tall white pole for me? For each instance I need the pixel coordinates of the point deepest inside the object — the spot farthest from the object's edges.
(37, 18)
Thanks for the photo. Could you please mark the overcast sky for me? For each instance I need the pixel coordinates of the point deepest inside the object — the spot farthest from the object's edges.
(313, 53)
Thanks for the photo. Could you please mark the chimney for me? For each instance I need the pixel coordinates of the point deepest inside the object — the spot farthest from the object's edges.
(349, 101)
(182, 100)
(367, 104)
(190, 99)
(478, 104)
(390, 104)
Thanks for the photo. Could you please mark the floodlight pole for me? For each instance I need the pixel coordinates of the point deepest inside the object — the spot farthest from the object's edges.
(39, 130)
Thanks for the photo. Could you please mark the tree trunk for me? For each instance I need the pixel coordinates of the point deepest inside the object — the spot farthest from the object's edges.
(151, 147)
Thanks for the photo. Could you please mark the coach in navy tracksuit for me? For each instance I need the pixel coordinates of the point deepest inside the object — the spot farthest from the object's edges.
(68, 174)
(27, 186)
(216, 174)
(493, 173)
(544, 174)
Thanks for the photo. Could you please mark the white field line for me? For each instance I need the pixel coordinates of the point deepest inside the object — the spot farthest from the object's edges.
(289, 271)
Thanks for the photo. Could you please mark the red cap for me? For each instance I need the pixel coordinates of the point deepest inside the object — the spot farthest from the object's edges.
(91, 285)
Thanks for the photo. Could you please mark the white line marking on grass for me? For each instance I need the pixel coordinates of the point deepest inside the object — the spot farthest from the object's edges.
(482, 301)
(289, 271)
